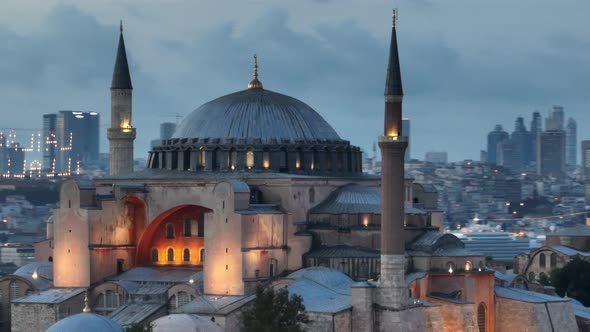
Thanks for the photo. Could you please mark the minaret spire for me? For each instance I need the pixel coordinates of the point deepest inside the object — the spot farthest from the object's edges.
(121, 76)
(121, 133)
(393, 82)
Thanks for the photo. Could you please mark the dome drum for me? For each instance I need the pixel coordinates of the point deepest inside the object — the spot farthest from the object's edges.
(215, 155)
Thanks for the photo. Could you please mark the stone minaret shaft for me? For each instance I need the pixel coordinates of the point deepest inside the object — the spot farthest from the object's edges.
(121, 134)
(392, 290)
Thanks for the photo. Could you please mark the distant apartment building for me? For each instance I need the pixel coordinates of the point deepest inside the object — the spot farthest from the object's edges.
(495, 137)
(71, 141)
(167, 130)
(436, 157)
(571, 142)
(12, 158)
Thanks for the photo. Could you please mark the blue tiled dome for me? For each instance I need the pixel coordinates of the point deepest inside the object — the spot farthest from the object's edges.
(256, 114)
(87, 322)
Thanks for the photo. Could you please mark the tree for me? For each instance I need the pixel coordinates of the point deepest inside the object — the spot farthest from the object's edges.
(573, 280)
(275, 311)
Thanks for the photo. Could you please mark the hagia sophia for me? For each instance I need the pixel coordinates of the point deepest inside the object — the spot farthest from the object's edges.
(255, 188)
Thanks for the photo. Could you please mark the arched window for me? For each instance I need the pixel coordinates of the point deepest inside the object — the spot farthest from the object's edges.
(468, 266)
(170, 254)
(311, 195)
(315, 160)
(169, 231)
(202, 255)
(481, 317)
(249, 158)
(202, 158)
(298, 159)
(542, 260)
(172, 303)
(272, 267)
(187, 227)
(531, 276)
(265, 159)
(186, 255)
(14, 290)
(179, 299)
(233, 157)
(201, 226)
(216, 162)
(553, 260)
(283, 166)
(155, 257)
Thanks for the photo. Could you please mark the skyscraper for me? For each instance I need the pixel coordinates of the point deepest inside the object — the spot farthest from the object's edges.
(494, 138)
(571, 140)
(586, 159)
(406, 131)
(521, 145)
(555, 119)
(76, 140)
(49, 142)
(552, 153)
(536, 129)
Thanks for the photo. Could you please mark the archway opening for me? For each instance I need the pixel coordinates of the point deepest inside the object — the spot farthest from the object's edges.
(171, 238)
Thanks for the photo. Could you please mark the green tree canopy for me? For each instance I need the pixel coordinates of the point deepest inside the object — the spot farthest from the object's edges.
(573, 278)
(275, 312)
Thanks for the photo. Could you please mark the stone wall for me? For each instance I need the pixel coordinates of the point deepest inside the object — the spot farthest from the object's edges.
(515, 315)
(340, 321)
(23, 319)
(411, 319)
(457, 317)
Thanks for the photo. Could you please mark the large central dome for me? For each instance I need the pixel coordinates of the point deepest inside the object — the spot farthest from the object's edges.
(256, 114)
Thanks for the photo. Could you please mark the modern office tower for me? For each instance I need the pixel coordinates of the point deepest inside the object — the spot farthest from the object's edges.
(167, 130)
(586, 159)
(571, 140)
(73, 137)
(12, 158)
(406, 130)
(436, 157)
(521, 142)
(555, 119)
(536, 129)
(552, 153)
(49, 142)
(510, 155)
(483, 156)
(494, 137)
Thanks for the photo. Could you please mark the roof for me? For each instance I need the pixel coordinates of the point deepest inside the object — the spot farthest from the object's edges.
(526, 296)
(351, 199)
(342, 251)
(322, 289)
(121, 76)
(432, 241)
(570, 251)
(506, 277)
(51, 296)
(44, 274)
(215, 304)
(393, 82)
(160, 274)
(185, 322)
(577, 230)
(87, 322)
(134, 312)
(256, 114)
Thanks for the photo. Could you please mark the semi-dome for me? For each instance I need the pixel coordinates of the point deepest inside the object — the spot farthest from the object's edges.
(87, 322)
(256, 114)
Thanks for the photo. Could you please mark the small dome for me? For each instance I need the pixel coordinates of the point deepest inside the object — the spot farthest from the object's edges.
(185, 323)
(256, 113)
(87, 322)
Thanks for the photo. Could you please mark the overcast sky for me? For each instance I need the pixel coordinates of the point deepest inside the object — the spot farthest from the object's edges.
(466, 65)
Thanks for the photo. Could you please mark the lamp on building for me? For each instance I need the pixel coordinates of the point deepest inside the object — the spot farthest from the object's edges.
(191, 281)
(451, 269)
(35, 275)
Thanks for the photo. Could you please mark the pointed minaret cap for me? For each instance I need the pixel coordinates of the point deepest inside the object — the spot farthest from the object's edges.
(86, 307)
(255, 83)
(393, 82)
(121, 76)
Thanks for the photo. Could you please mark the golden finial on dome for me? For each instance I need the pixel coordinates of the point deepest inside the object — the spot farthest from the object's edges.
(86, 307)
(394, 17)
(255, 83)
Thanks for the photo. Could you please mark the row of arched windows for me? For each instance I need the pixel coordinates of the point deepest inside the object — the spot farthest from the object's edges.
(186, 255)
(552, 260)
(186, 229)
(179, 299)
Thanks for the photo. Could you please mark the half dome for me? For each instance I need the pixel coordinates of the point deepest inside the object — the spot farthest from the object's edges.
(256, 114)
(87, 322)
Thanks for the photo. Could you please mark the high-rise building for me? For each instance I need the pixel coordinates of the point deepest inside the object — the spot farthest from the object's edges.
(510, 155)
(536, 129)
(555, 119)
(521, 144)
(494, 138)
(12, 158)
(166, 131)
(552, 153)
(436, 157)
(406, 131)
(76, 141)
(571, 138)
(586, 159)
(49, 142)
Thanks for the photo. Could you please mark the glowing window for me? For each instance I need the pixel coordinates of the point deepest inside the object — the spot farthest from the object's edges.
(186, 255)
(155, 255)
(249, 158)
(187, 227)
(170, 254)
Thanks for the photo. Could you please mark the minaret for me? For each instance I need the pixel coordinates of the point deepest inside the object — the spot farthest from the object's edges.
(121, 133)
(392, 290)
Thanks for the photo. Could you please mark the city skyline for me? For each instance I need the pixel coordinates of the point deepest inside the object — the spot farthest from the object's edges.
(456, 77)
